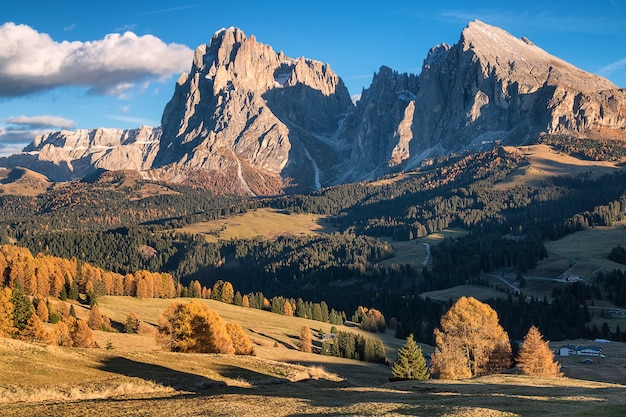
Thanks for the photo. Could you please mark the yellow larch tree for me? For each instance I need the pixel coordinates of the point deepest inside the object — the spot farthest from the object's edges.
(193, 327)
(241, 342)
(535, 357)
(470, 342)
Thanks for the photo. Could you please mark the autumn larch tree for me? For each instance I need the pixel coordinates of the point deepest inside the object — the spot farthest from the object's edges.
(7, 327)
(411, 363)
(95, 320)
(193, 327)
(287, 309)
(241, 342)
(535, 357)
(35, 331)
(81, 334)
(42, 311)
(61, 334)
(470, 342)
(132, 322)
(305, 339)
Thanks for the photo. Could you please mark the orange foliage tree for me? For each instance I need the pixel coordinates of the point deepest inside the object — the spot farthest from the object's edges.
(241, 342)
(193, 327)
(305, 339)
(470, 342)
(535, 357)
(6, 313)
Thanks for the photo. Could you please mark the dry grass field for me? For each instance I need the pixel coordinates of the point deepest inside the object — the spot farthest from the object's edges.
(414, 251)
(23, 181)
(267, 223)
(546, 162)
(135, 378)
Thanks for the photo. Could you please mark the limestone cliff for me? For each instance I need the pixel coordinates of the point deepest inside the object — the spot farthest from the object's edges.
(254, 115)
(249, 120)
(65, 155)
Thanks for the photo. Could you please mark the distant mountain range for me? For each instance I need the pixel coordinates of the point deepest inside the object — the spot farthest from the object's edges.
(249, 120)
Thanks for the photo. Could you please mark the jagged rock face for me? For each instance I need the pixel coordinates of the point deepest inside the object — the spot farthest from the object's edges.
(66, 155)
(248, 120)
(381, 126)
(265, 119)
(493, 86)
(489, 86)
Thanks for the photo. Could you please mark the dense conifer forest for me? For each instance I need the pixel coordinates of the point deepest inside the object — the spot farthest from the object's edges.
(103, 223)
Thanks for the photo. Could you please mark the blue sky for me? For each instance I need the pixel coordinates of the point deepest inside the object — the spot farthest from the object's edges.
(82, 65)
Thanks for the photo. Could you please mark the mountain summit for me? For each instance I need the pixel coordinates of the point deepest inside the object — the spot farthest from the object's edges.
(489, 86)
(249, 120)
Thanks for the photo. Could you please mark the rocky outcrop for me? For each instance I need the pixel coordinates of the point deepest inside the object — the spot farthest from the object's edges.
(262, 118)
(65, 155)
(249, 120)
(489, 86)
(380, 128)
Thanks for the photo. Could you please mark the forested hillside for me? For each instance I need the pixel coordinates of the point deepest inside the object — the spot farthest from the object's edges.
(110, 224)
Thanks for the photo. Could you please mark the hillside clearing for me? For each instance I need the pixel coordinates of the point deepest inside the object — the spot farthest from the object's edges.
(546, 162)
(266, 223)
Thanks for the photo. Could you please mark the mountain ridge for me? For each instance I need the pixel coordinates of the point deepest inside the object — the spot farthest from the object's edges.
(248, 120)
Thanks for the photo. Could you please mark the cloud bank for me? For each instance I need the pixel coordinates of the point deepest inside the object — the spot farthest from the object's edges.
(32, 62)
(17, 132)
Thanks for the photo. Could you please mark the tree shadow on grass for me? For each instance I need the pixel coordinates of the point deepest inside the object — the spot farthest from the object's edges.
(178, 380)
(185, 381)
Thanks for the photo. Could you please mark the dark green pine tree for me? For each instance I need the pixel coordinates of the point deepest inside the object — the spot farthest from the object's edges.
(22, 309)
(410, 363)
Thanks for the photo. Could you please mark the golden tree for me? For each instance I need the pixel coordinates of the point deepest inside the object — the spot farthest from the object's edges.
(6, 313)
(193, 327)
(305, 339)
(241, 342)
(42, 311)
(95, 320)
(35, 331)
(132, 322)
(81, 334)
(535, 357)
(287, 309)
(61, 334)
(471, 342)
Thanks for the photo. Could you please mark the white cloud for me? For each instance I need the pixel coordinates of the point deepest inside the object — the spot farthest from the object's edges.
(42, 121)
(134, 120)
(611, 68)
(17, 132)
(13, 140)
(31, 62)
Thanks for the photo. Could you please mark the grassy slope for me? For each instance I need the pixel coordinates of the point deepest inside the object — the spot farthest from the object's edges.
(267, 223)
(72, 382)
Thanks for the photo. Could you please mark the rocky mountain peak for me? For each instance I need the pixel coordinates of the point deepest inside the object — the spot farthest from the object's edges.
(246, 119)
(252, 112)
(518, 59)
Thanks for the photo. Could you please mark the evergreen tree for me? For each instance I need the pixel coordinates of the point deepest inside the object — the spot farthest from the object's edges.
(411, 363)
(535, 357)
(22, 309)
